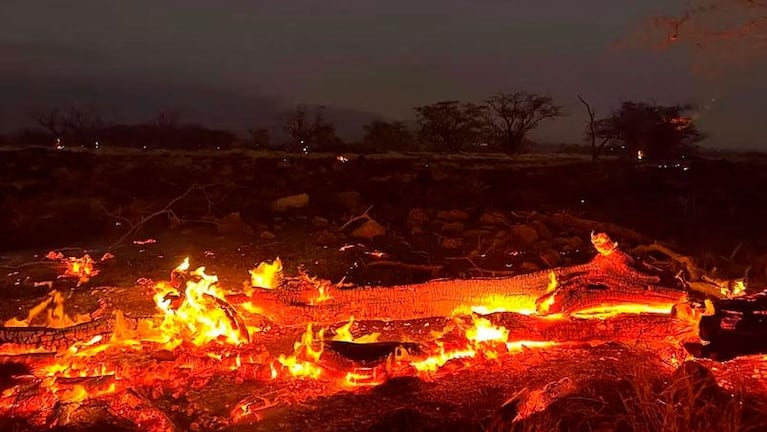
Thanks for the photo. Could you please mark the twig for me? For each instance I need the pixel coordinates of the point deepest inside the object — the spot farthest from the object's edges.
(354, 219)
(736, 250)
(167, 210)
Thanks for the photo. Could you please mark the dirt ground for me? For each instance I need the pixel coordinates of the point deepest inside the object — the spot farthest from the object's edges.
(435, 216)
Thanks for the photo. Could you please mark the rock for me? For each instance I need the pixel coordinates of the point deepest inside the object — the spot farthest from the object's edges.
(349, 200)
(528, 267)
(453, 215)
(319, 222)
(524, 235)
(452, 243)
(452, 228)
(494, 218)
(477, 233)
(368, 230)
(543, 231)
(267, 235)
(551, 257)
(417, 217)
(572, 244)
(327, 238)
(417, 230)
(290, 202)
(233, 224)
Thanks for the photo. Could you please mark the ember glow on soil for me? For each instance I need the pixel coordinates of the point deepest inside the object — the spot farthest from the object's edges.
(204, 331)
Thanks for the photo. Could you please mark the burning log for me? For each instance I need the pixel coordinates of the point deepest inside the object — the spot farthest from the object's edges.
(736, 327)
(53, 338)
(608, 280)
(612, 270)
(613, 327)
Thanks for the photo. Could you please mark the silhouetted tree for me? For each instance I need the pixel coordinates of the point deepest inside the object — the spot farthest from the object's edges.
(259, 137)
(74, 126)
(383, 135)
(51, 121)
(306, 134)
(511, 116)
(656, 131)
(167, 119)
(591, 132)
(450, 125)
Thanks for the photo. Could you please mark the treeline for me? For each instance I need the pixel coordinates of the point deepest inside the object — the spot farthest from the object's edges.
(501, 123)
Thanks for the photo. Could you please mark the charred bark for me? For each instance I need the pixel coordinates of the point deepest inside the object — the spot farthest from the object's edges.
(737, 327)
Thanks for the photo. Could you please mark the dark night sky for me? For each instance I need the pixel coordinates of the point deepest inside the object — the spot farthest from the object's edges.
(237, 62)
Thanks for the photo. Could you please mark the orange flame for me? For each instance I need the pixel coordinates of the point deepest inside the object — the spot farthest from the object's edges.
(303, 361)
(266, 275)
(55, 317)
(199, 318)
(545, 305)
(344, 333)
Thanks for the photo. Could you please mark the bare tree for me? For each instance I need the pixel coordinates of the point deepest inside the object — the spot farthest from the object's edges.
(259, 137)
(168, 119)
(51, 121)
(83, 125)
(513, 115)
(596, 149)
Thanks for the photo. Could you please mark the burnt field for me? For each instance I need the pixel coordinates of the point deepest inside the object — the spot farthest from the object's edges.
(412, 292)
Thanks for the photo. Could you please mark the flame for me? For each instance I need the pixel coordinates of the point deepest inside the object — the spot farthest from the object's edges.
(545, 305)
(483, 339)
(266, 275)
(521, 304)
(80, 268)
(55, 317)
(303, 362)
(484, 331)
(607, 311)
(199, 318)
(734, 289)
(603, 244)
(322, 294)
(344, 333)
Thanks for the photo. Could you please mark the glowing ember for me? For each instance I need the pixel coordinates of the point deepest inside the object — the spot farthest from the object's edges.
(603, 244)
(266, 275)
(735, 289)
(607, 311)
(484, 331)
(201, 334)
(483, 339)
(80, 268)
(521, 304)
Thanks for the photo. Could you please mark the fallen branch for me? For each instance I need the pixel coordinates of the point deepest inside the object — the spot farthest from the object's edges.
(167, 210)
